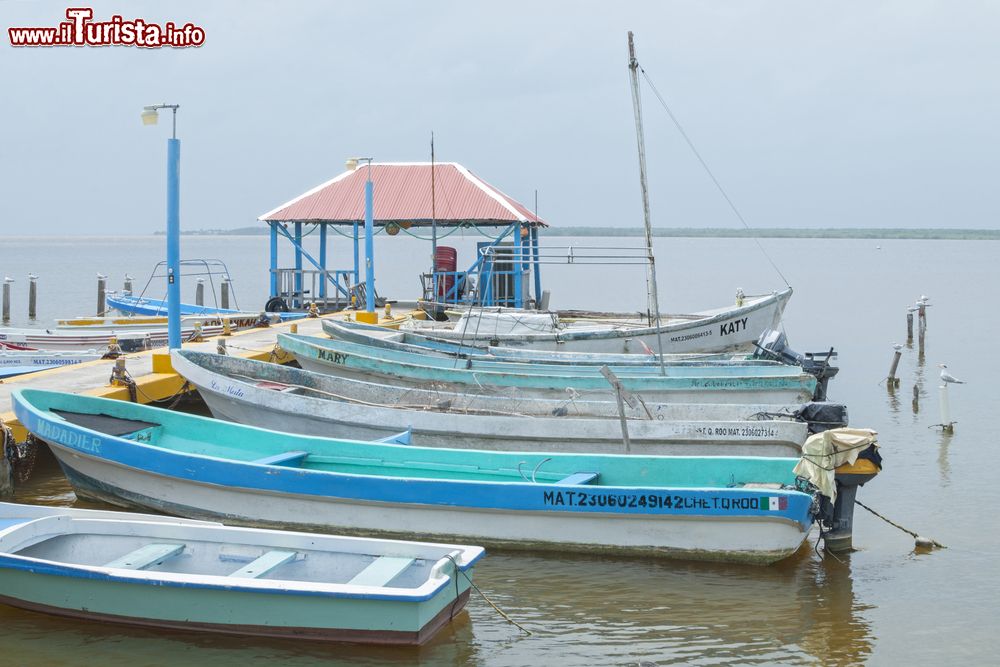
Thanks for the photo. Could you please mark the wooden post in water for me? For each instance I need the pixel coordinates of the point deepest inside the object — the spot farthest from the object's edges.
(909, 326)
(199, 292)
(127, 287)
(32, 296)
(6, 298)
(224, 293)
(892, 381)
(916, 399)
(102, 286)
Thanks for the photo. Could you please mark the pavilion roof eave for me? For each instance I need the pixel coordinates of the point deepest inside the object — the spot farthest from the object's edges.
(411, 222)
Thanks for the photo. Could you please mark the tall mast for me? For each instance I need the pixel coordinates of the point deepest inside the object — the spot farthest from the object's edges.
(653, 301)
(434, 227)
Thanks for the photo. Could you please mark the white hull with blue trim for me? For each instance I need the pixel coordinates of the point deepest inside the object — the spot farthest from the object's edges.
(731, 509)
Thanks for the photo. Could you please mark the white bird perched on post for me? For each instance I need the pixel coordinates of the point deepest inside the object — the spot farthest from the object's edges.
(947, 377)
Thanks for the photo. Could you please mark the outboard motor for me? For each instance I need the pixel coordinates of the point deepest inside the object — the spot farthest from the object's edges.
(773, 346)
(822, 416)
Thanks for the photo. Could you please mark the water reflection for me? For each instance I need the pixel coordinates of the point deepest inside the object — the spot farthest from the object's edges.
(944, 465)
(581, 610)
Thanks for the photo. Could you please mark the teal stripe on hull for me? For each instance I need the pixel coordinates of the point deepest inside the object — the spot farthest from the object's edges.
(273, 614)
(303, 348)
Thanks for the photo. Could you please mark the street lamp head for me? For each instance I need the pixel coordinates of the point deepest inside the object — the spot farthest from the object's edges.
(149, 116)
(351, 164)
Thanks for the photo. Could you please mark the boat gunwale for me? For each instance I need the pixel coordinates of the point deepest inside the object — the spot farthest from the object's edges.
(429, 589)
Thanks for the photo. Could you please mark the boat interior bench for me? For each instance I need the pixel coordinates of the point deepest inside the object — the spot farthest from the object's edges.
(107, 424)
(578, 478)
(264, 564)
(284, 458)
(146, 556)
(381, 571)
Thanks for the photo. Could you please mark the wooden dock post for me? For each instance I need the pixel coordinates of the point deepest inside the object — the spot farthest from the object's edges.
(102, 286)
(224, 293)
(892, 381)
(6, 298)
(199, 292)
(32, 296)
(127, 286)
(909, 325)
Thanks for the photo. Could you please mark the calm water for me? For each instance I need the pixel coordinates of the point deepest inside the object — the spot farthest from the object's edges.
(884, 604)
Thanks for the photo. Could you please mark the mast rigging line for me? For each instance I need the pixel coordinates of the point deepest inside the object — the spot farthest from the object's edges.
(711, 175)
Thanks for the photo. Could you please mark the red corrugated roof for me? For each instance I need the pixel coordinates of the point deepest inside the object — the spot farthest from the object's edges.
(402, 193)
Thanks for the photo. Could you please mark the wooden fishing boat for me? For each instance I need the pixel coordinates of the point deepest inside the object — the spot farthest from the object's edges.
(718, 508)
(39, 359)
(417, 343)
(155, 311)
(770, 384)
(191, 575)
(62, 340)
(717, 330)
(298, 401)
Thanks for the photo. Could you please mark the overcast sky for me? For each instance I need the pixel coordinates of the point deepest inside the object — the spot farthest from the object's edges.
(811, 114)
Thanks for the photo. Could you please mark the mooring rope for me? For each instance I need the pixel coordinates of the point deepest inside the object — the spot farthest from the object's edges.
(711, 175)
(905, 530)
(483, 595)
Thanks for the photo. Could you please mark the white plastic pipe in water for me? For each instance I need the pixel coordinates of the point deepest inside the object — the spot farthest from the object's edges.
(945, 408)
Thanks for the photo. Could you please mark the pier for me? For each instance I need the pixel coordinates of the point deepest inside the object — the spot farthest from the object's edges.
(151, 371)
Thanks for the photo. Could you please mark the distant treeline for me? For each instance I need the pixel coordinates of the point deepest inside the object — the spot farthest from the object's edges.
(682, 232)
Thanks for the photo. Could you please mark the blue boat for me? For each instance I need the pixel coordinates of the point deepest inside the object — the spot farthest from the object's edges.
(713, 508)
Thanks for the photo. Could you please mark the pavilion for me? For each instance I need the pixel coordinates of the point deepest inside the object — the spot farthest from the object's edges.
(424, 200)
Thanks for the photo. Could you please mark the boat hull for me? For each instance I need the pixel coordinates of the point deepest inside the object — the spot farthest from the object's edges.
(722, 330)
(253, 403)
(331, 357)
(226, 612)
(731, 509)
(736, 540)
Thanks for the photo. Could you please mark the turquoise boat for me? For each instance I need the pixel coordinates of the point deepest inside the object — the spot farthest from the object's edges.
(712, 384)
(743, 509)
(165, 572)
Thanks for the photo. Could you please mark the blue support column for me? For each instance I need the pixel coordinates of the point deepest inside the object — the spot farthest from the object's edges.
(322, 259)
(274, 258)
(518, 267)
(357, 261)
(173, 243)
(297, 301)
(537, 273)
(369, 249)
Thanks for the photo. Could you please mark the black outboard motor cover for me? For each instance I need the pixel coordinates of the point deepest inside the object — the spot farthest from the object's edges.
(773, 346)
(823, 416)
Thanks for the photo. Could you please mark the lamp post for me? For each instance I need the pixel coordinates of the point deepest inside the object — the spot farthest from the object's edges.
(150, 117)
(369, 314)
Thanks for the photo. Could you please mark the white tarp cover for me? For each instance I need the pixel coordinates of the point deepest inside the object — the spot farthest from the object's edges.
(486, 323)
(823, 452)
